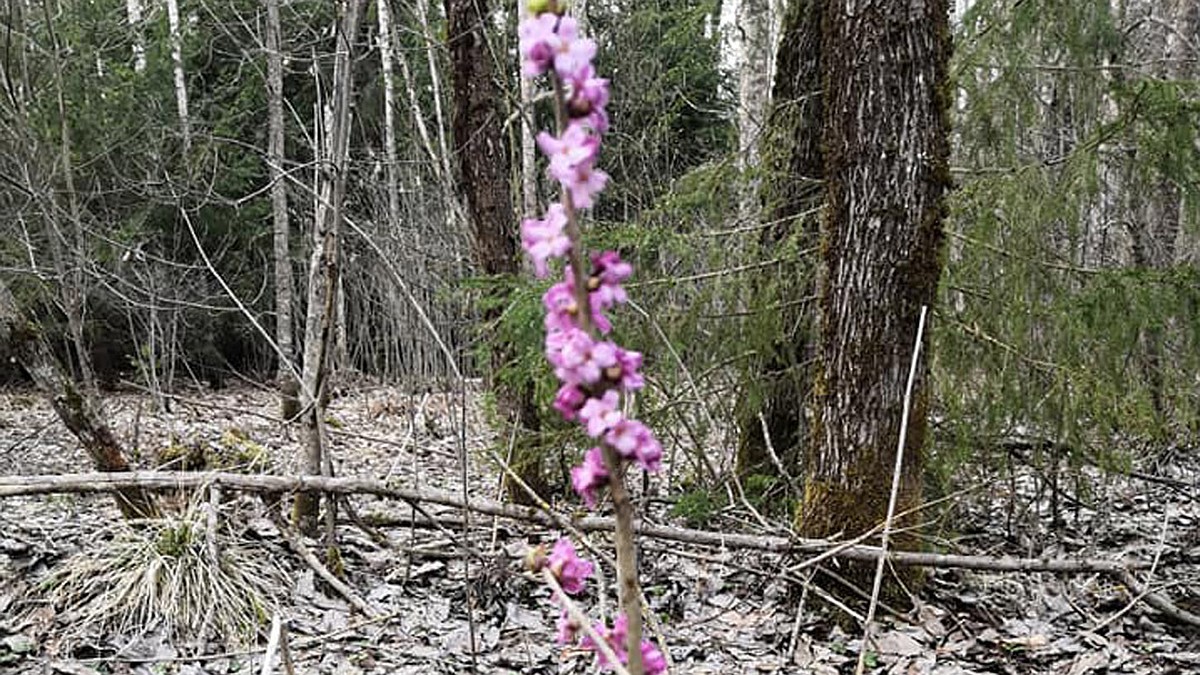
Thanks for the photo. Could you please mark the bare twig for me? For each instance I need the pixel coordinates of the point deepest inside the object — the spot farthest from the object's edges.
(339, 586)
(272, 645)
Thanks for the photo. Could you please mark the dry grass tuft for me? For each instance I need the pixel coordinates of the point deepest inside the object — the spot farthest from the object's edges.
(162, 574)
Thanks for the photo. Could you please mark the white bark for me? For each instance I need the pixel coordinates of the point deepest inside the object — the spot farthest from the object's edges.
(133, 9)
(181, 96)
(529, 200)
(454, 213)
(389, 110)
(754, 85)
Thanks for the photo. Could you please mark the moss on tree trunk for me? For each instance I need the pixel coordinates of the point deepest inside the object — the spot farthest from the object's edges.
(886, 171)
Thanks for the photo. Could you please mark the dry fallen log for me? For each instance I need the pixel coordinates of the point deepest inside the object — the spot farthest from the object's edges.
(11, 486)
(1120, 570)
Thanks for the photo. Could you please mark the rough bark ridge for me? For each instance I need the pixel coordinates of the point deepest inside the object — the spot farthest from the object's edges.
(792, 169)
(483, 168)
(886, 163)
(78, 412)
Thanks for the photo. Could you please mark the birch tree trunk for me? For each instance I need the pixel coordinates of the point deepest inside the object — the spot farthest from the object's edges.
(454, 211)
(886, 171)
(78, 409)
(181, 96)
(529, 181)
(790, 194)
(754, 83)
(133, 9)
(323, 265)
(284, 288)
(386, 59)
(482, 154)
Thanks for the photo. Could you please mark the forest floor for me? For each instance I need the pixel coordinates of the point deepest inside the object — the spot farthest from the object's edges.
(720, 611)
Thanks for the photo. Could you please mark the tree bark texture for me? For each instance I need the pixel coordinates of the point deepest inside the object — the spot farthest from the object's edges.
(886, 171)
(74, 406)
(790, 194)
(323, 266)
(483, 174)
(289, 388)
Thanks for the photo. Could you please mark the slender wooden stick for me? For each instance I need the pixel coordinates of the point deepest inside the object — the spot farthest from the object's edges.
(891, 509)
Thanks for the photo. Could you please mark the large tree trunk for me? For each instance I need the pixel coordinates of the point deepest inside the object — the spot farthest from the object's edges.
(790, 194)
(323, 266)
(886, 171)
(289, 388)
(482, 154)
(76, 408)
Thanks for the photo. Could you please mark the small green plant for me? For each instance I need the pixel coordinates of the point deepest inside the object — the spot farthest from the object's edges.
(696, 507)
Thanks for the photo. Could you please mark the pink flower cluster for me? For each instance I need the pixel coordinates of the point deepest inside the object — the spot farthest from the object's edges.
(592, 370)
(572, 573)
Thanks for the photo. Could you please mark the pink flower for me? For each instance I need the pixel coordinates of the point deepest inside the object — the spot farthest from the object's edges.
(572, 53)
(572, 162)
(653, 661)
(587, 99)
(587, 183)
(615, 637)
(610, 269)
(567, 629)
(545, 239)
(600, 414)
(577, 147)
(570, 570)
(649, 452)
(625, 436)
(537, 42)
(590, 476)
(577, 358)
(569, 400)
(626, 371)
(559, 301)
(634, 440)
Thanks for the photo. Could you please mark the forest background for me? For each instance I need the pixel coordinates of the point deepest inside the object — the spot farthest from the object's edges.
(190, 189)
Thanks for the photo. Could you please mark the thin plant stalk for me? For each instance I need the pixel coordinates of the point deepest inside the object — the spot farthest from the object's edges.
(628, 589)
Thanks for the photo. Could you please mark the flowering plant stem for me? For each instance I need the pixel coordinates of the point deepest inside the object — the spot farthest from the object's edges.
(595, 372)
(628, 590)
(585, 625)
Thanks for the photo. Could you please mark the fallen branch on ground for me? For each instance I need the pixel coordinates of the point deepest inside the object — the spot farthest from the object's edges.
(1122, 571)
